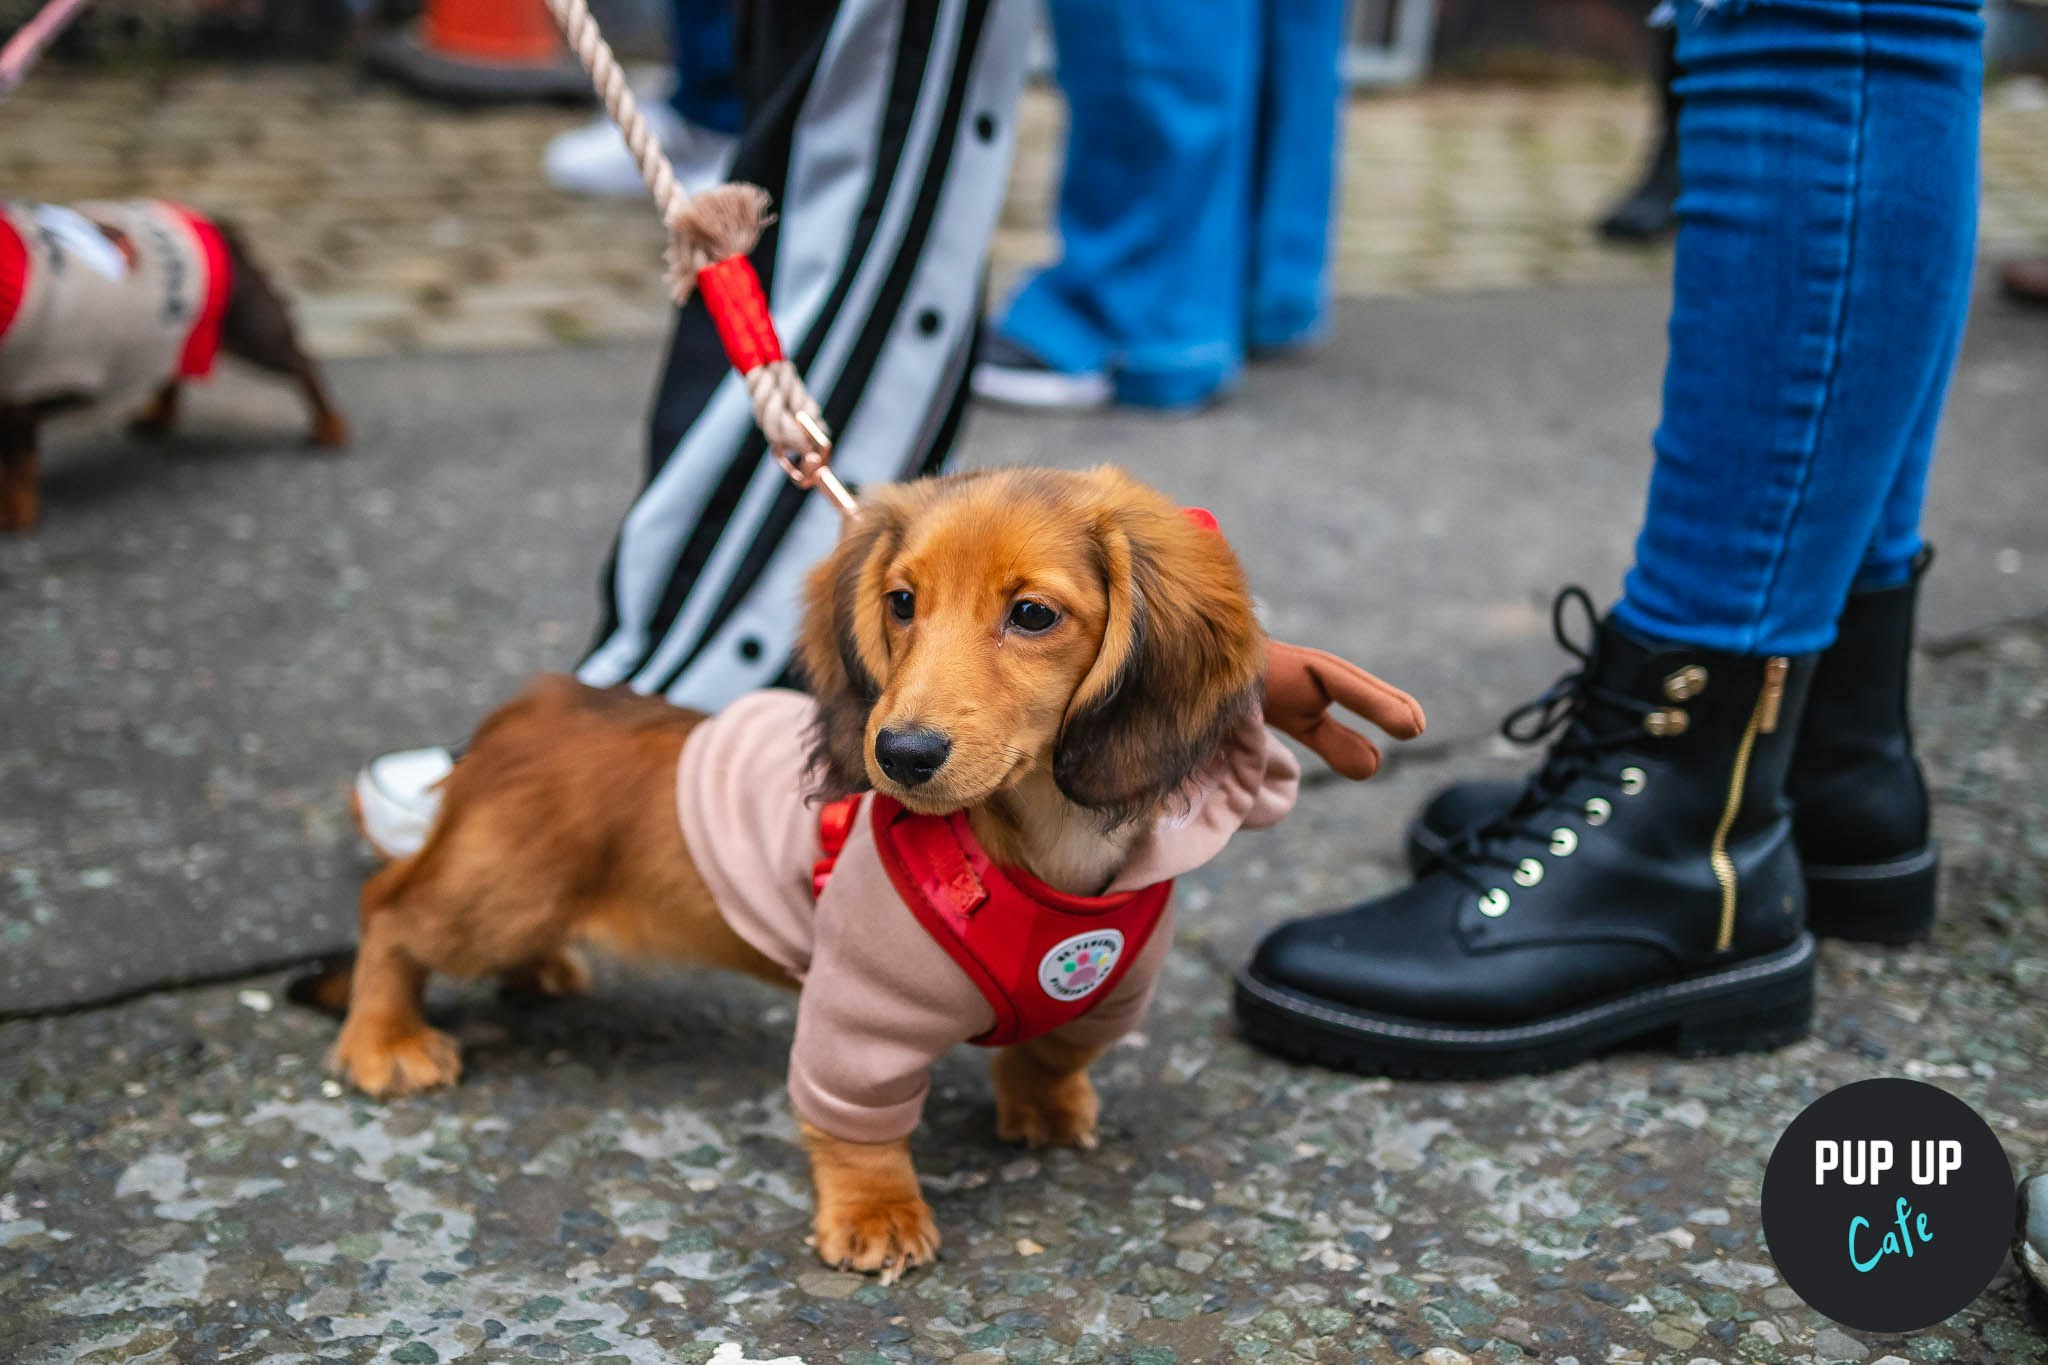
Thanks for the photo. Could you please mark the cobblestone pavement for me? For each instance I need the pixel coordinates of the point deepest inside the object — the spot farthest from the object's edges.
(404, 227)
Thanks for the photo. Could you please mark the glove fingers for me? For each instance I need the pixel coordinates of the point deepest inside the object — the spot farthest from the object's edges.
(1348, 753)
(1358, 691)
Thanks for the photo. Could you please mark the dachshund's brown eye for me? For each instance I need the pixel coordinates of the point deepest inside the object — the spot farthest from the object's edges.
(902, 604)
(1031, 617)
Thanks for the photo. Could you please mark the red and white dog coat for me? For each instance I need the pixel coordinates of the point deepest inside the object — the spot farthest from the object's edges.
(107, 301)
(908, 940)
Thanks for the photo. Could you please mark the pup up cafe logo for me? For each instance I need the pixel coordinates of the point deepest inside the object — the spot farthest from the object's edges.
(1888, 1205)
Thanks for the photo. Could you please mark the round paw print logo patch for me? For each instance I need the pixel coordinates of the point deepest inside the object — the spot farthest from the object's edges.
(1077, 966)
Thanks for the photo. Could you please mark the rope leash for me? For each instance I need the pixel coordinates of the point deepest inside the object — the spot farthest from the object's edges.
(709, 238)
(31, 38)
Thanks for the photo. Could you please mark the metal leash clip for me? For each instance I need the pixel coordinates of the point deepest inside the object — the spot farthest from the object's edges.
(820, 477)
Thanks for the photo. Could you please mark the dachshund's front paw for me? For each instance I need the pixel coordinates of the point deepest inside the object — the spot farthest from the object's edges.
(885, 1237)
(387, 1062)
(1042, 1108)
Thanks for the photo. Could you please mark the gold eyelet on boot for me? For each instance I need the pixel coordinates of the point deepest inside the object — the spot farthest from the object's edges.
(1633, 780)
(1667, 723)
(1598, 808)
(1564, 841)
(1686, 683)
(1528, 872)
(1494, 903)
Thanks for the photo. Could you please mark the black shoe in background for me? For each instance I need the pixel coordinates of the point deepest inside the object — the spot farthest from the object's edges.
(1650, 211)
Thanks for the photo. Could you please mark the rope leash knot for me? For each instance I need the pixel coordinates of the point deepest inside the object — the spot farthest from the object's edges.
(709, 238)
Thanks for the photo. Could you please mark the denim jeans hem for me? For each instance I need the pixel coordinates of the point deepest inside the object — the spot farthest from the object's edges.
(1174, 389)
(1287, 329)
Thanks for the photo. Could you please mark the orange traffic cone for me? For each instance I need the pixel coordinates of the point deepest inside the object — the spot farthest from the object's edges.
(482, 51)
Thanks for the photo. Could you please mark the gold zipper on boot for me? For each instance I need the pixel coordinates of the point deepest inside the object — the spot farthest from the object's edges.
(1763, 720)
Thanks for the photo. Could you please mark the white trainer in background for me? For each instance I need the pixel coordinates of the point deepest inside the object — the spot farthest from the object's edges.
(397, 797)
(593, 159)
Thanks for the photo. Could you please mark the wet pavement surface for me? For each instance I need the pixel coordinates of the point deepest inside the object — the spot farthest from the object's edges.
(203, 640)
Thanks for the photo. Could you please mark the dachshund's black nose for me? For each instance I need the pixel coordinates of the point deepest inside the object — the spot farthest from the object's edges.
(911, 756)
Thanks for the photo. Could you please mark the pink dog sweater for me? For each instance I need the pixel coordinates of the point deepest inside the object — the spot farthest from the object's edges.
(882, 997)
(107, 301)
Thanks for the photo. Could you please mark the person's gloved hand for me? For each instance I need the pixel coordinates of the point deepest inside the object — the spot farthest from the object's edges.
(1303, 684)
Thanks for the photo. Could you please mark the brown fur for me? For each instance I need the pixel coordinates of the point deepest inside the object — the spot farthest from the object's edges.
(558, 826)
(256, 327)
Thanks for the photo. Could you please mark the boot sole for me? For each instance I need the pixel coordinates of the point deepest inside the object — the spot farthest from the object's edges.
(1762, 1004)
(1888, 903)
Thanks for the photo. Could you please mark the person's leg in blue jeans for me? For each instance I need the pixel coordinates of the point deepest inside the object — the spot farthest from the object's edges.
(1294, 179)
(1150, 283)
(1646, 885)
(700, 38)
(1815, 318)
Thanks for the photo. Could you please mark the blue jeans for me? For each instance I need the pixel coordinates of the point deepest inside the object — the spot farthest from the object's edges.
(700, 41)
(1194, 214)
(1828, 150)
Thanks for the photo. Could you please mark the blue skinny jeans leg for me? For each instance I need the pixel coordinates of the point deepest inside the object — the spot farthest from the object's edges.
(1895, 546)
(700, 38)
(1829, 155)
(1294, 180)
(1150, 283)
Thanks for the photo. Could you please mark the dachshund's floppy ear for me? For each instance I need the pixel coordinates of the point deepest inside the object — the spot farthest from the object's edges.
(840, 650)
(1180, 663)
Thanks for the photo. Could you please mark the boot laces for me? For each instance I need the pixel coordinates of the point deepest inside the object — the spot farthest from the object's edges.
(1590, 722)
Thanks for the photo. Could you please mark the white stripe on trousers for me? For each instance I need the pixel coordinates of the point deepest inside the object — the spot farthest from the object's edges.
(896, 416)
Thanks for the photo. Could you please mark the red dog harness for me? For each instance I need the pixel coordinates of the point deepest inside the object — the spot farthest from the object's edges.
(1040, 957)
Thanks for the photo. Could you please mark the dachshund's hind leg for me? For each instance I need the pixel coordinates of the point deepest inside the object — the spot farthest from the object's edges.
(20, 473)
(548, 977)
(257, 327)
(330, 429)
(160, 418)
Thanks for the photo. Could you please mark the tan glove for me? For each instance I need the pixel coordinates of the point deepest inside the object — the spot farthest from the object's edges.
(1303, 684)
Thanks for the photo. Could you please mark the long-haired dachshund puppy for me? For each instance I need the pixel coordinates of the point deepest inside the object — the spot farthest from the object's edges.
(117, 302)
(1036, 703)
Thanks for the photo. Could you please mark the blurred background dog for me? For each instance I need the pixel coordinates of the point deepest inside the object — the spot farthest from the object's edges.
(117, 303)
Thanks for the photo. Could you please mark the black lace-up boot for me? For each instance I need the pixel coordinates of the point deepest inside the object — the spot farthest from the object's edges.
(1641, 889)
(1859, 801)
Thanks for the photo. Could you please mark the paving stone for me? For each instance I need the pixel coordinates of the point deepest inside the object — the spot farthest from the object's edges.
(356, 191)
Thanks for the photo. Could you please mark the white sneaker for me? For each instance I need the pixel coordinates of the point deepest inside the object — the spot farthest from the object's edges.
(593, 159)
(397, 797)
(1007, 373)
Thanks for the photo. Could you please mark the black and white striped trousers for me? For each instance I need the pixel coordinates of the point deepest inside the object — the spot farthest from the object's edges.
(883, 129)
